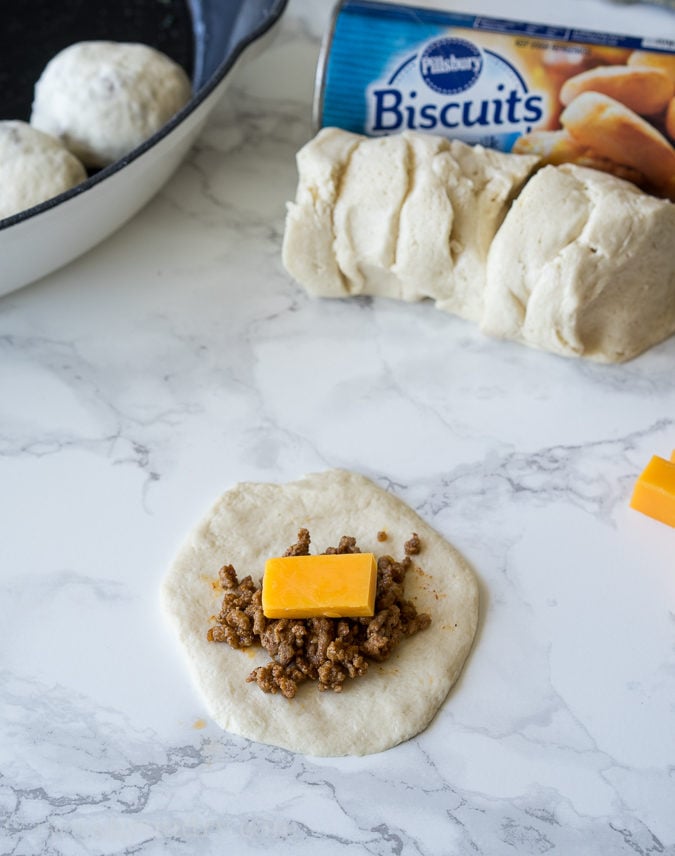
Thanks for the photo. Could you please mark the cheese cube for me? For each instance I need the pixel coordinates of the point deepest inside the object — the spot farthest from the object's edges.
(654, 492)
(333, 586)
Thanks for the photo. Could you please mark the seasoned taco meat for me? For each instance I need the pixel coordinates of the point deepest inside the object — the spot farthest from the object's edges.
(324, 650)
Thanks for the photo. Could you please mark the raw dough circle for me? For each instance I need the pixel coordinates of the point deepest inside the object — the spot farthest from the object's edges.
(105, 98)
(34, 167)
(396, 699)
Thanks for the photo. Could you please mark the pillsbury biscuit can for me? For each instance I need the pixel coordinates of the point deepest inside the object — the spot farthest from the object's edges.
(387, 68)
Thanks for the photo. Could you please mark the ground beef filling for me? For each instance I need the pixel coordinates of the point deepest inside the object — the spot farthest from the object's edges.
(325, 650)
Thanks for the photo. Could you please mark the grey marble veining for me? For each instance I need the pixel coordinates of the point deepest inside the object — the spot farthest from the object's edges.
(178, 358)
(96, 783)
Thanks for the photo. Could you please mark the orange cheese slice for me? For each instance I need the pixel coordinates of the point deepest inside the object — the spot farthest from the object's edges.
(333, 586)
(654, 492)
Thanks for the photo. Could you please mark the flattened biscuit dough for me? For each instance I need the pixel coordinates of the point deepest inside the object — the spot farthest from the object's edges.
(396, 699)
(595, 280)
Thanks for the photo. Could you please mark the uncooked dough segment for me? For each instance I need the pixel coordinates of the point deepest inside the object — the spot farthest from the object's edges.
(583, 265)
(367, 210)
(480, 183)
(396, 699)
(427, 202)
(307, 251)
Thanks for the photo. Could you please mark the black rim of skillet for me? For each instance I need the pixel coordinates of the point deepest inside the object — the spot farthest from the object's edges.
(276, 10)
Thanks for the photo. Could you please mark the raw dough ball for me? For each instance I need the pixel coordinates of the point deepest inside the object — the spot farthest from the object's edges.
(583, 265)
(105, 98)
(34, 167)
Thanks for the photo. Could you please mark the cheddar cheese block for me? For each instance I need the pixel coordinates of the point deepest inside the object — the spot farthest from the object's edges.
(654, 493)
(332, 586)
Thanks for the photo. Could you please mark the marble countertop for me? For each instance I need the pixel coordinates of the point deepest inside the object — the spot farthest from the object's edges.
(178, 358)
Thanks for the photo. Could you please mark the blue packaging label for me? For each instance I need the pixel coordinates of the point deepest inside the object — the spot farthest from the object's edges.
(484, 80)
(452, 86)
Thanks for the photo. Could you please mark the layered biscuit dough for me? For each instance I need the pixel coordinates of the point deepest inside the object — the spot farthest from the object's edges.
(407, 216)
(582, 263)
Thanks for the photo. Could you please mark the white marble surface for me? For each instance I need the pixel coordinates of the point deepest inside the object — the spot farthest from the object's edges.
(178, 358)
